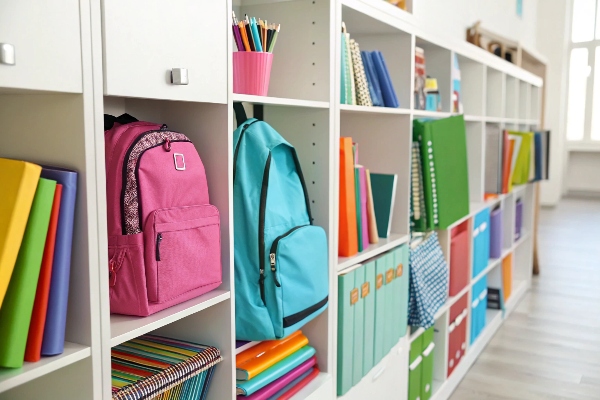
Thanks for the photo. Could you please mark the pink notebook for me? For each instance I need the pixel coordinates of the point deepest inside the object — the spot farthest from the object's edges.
(363, 208)
(278, 384)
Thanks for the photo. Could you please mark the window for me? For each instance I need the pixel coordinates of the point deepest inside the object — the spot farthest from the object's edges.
(583, 111)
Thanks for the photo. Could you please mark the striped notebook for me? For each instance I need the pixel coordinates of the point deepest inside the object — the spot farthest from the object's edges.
(158, 367)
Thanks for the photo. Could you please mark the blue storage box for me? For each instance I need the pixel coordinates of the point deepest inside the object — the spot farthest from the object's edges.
(481, 241)
(478, 308)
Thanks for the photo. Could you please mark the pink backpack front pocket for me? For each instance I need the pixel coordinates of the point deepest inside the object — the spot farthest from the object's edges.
(182, 251)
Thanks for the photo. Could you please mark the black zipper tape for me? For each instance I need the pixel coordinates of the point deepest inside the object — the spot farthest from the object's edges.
(299, 316)
(261, 228)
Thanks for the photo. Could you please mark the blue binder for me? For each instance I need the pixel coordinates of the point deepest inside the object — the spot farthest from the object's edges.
(538, 156)
(374, 88)
(387, 90)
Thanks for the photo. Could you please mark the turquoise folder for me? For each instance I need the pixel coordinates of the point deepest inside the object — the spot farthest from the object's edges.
(380, 266)
(345, 344)
(401, 283)
(274, 372)
(369, 318)
(359, 310)
(390, 315)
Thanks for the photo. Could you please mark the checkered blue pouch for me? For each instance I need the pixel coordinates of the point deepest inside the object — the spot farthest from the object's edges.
(428, 282)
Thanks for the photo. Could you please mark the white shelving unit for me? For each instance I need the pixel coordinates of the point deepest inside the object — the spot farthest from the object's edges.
(90, 60)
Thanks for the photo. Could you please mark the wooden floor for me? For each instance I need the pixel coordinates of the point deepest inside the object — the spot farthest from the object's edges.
(549, 348)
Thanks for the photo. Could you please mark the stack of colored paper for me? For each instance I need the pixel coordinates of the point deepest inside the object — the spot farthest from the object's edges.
(366, 202)
(150, 365)
(275, 369)
(36, 232)
(365, 77)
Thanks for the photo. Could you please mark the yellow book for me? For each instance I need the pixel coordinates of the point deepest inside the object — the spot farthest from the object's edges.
(19, 182)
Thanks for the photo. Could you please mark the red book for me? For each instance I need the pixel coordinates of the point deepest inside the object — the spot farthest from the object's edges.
(40, 306)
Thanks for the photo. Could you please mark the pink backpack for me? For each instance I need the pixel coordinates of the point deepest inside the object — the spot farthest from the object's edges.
(164, 242)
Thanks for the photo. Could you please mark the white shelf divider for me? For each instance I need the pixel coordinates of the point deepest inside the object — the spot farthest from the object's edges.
(373, 250)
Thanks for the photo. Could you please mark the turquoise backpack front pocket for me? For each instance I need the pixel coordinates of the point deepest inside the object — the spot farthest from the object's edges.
(298, 260)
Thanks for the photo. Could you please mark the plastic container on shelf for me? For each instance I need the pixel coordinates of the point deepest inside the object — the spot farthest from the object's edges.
(459, 258)
(252, 72)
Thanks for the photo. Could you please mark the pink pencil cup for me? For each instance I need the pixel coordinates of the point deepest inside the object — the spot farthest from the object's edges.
(251, 72)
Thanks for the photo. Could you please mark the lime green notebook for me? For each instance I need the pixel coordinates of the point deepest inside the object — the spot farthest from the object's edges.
(369, 316)
(443, 145)
(522, 167)
(15, 313)
(347, 294)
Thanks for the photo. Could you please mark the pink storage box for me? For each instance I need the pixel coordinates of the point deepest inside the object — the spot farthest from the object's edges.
(252, 72)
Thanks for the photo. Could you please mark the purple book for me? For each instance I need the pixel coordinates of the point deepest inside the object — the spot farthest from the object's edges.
(363, 208)
(280, 383)
(496, 233)
(518, 219)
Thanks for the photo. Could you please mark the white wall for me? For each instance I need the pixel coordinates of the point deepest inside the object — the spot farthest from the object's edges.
(582, 172)
(452, 17)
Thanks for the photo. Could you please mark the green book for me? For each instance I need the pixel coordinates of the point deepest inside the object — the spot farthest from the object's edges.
(359, 226)
(445, 170)
(369, 318)
(383, 187)
(521, 173)
(17, 307)
(347, 294)
(390, 310)
(427, 364)
(380, 267)
(401, 287)
(359, 311)
(414, 369)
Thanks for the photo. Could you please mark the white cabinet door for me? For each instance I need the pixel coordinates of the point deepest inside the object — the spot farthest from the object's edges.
(46, 39)
(145, 40)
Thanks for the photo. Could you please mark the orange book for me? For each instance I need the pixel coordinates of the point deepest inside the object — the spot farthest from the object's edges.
(507, 276)
(348, 236)
(507, 153)
(33, 350)
(264, 355)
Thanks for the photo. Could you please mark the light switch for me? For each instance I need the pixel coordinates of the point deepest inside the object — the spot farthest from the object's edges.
(179, 76)
(7, 54)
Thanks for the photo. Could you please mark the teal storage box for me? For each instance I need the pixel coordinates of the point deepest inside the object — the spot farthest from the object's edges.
(368, 293)
(401, 290)
(481, 241)
(478, 307)
(358, 335)
(347, 296)
(380, 308)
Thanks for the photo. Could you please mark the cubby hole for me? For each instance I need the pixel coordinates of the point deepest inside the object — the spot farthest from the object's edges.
(440, 356)
(496, 87)
(438, 65)
(49, 129)
(476, 161)
(395, 45)
(524, 103)
(534, 107)
(522, 259)
(384, 143)
(472, 85)
(512, 98)
(302, 55)
(508, 221)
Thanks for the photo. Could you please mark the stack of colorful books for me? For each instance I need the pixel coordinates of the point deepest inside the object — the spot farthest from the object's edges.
(366, 202)
(275, 369)
(36, 232)
(153, 366)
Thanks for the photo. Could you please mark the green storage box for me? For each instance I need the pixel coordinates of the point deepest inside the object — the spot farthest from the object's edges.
(414, 369)
(427, 347)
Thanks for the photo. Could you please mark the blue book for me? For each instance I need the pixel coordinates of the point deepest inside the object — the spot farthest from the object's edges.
(374, 88)
(538, 156)
(58, 298)
(385, 82)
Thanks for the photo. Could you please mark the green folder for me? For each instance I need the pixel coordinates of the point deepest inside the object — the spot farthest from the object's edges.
(359, 310)
(521, 173)
(15, 313)
(414, 369)
(401, 286)
(369, 318)
(445, 171)
(380, 267)
(383, 187)
(359, 226)
(427, 364)
(345, 344)
(390, 314)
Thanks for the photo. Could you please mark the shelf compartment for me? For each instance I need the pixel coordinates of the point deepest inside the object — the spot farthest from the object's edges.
(495, 94)
(511, 107)
(126, 327)
(472, 84)
(10, 378)
(493, 263)
(373, 250)
(438, 65)
(279, 101)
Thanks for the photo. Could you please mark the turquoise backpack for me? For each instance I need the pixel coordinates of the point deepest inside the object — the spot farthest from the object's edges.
(281, 268)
